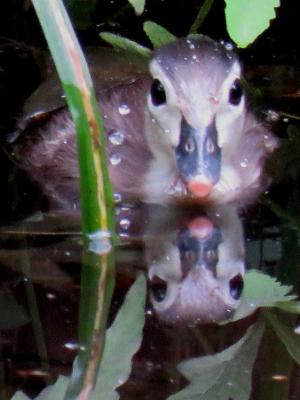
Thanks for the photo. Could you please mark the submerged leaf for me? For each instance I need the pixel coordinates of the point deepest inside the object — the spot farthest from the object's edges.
(290, 339)
(261, 290)
(13, 314)
(158, 35)
(56, 391)
(223, 375)
(20, 396)
(120, 42)
(246, 20)
(123, 339)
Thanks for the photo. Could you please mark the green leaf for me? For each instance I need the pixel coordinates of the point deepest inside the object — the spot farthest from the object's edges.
(261, 290)
(120, 42)
(223, 375)
(292, 307)
(290, 339)
(138, 6)
(246, 20)
(202, 14)
(20, 396)
(52, 392)
(13, 314)
(157, 34)
(125, 336)
(56, 391)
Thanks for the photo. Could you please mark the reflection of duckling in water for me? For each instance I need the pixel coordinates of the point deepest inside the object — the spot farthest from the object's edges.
(182, 133)
(196, 268)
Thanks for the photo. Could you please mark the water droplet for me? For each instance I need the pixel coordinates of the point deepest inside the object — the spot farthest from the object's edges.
(71, 346)
(297, 330)
(115, 137)
(115, 159)
(124, 109)
(194, 57)
(149, 312)
(117, 198)
(67, 253)
(244, 163)
(50, 296)
(285, 120)
(65, 141)
(191, 46)
(272, 115)
(229, 383)
(125, 223)
(229, 46)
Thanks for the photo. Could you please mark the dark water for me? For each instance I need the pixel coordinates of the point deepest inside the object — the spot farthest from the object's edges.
(40, 291)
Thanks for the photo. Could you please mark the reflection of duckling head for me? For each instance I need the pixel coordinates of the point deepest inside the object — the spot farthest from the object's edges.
(200, 276)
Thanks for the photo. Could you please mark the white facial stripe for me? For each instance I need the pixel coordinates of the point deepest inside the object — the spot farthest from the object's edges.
(229, 117)
(168, 115)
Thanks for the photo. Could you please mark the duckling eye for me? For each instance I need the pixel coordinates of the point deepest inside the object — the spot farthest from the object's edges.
(235, 93)
(158, 94)
(158, 288)
(236, 285)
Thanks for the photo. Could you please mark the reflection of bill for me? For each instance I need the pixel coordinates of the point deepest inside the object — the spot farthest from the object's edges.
(196, 265)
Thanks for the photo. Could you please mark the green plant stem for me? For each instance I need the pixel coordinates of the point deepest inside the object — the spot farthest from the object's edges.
(204, 10)
(95, 188)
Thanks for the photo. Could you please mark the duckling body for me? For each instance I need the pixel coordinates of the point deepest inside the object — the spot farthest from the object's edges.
(181, 133)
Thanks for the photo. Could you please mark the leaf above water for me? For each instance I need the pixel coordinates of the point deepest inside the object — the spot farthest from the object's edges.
(138, 6)
(158, 35)
(246, 19)
(122, 43)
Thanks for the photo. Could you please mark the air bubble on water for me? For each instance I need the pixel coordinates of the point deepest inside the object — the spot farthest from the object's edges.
(50, 296)
(124, 109)
(228, 46)
(244, 163)
(100, 242)
(115, 159)
(125, 224)
(115, 137)
(117, 198)
(71, 346)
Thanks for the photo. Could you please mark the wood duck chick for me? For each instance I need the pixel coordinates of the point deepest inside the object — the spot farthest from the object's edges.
(179, 132)
(196, 266)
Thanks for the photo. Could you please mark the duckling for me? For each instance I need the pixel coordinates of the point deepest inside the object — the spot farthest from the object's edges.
(196, 266)
(179, 130)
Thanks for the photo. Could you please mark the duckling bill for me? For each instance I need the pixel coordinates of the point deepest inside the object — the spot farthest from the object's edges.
(178, 130)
